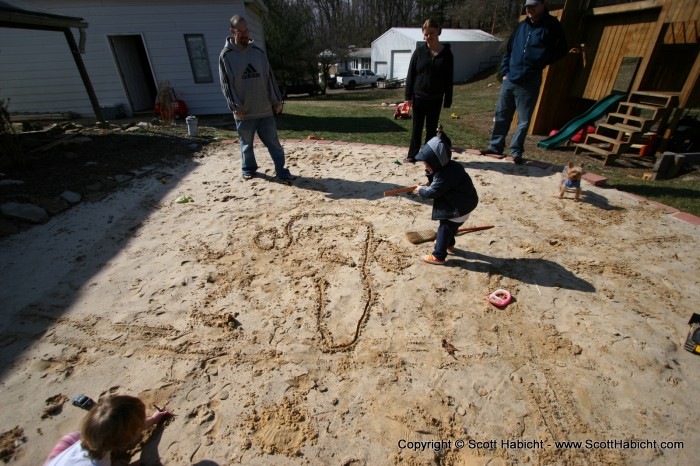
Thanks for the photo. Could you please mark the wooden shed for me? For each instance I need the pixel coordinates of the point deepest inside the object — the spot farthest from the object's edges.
(625, 47)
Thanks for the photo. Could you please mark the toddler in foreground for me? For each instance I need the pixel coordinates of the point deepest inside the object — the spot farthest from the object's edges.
(113, 424)
(452, 192)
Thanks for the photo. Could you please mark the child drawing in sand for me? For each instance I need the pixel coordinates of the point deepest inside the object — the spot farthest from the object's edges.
(113, 424)
(453, 195)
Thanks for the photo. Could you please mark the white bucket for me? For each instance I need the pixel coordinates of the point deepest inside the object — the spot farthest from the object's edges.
(191, 125)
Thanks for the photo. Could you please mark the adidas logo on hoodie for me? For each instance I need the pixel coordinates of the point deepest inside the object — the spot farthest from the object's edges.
(250, 72)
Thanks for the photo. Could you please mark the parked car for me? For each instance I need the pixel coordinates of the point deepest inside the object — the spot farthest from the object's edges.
(300, 86)
(358, 78)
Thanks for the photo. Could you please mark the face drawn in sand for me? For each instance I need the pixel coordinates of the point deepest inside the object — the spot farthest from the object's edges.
(337, 254)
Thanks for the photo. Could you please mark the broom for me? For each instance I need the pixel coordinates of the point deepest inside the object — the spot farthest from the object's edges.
(423, 236)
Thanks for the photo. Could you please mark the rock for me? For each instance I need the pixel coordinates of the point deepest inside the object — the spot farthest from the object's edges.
(122, 178)
(108, 184)
(7, 227)
(54, 205)
(10, 182)
(95, 197)
(132, 129)
(26, 212)
(71, 197)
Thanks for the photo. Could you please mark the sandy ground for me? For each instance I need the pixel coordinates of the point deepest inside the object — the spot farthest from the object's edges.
(295, 324)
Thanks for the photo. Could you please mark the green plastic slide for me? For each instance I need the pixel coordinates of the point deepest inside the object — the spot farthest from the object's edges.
(599, 109)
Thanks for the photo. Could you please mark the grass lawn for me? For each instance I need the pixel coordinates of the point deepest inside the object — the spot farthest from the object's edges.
(363, 115)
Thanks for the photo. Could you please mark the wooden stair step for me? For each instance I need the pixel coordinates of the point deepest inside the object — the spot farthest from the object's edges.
(662, 98)
(628, 117)
(654, 94)
(596, 149)
(642, 106)
(620, 127)
(602, 138)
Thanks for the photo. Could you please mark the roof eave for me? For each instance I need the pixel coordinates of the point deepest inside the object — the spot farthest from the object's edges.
(15, 19)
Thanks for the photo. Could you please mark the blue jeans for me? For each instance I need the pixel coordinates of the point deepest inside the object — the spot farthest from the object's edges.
(445, 238)
(520, 97)
(267, 131)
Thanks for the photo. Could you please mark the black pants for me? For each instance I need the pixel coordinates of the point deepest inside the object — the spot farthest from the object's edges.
(425, 112)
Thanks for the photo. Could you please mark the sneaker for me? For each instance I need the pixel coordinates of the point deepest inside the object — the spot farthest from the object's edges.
(430, 259)
(287, 177)
(248, 176)
(409, 160)
(516, 160)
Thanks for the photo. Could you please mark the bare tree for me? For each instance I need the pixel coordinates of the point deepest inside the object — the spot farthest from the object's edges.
(288, 34)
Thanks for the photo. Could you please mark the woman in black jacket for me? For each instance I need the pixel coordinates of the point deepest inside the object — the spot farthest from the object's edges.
(428, 85)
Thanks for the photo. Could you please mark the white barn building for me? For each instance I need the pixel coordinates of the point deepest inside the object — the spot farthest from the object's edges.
(474, 50)
(130, 47)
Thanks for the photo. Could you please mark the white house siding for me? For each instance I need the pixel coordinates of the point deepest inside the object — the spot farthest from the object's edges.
(38, 73)
(387, 46)
(473, 50)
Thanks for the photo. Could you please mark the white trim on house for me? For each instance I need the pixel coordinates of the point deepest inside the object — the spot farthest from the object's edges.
(38, 74)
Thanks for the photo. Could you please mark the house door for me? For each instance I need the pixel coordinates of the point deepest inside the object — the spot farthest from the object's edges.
(135, 71)
(399, 64)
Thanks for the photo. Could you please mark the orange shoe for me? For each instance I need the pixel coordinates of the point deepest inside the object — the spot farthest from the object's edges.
(430, 259)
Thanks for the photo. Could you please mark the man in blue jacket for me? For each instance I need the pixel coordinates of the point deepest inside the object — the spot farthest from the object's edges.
(537, 42)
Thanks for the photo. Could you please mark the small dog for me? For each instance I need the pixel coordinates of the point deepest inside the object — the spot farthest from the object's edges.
(571, 178)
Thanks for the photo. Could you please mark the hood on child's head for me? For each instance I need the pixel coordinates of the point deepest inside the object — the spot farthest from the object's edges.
(435, 153)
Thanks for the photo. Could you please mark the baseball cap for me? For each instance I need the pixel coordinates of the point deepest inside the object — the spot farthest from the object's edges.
(532, 2)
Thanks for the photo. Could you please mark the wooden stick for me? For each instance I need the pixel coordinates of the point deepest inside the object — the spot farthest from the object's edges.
(470, 229)
(407, 189)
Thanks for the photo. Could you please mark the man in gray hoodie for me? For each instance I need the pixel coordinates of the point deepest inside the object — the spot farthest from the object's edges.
(252, 94)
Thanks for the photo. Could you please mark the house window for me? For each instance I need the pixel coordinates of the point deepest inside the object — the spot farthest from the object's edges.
(199, 60)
